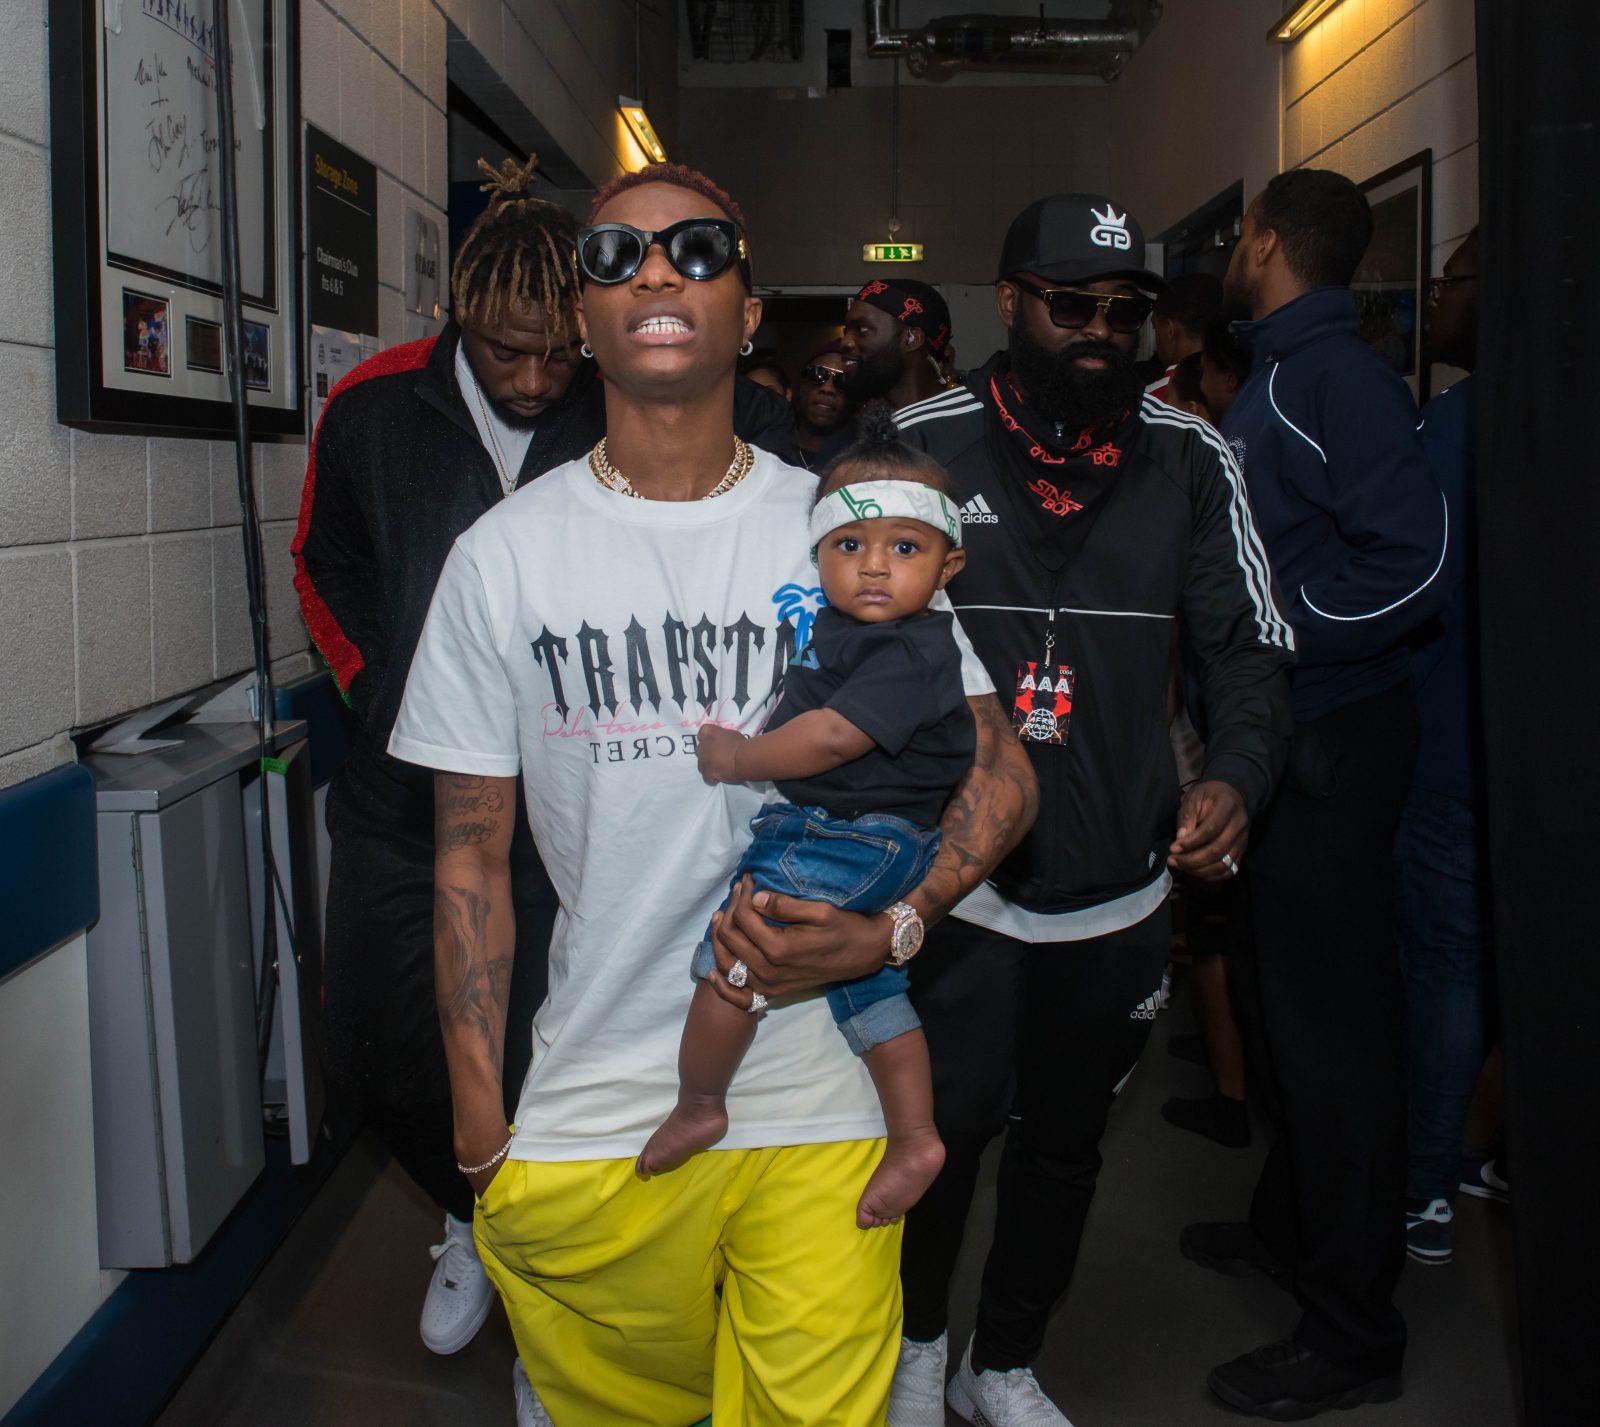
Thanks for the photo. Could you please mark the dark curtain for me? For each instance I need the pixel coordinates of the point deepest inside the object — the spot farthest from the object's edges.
(1539, 571)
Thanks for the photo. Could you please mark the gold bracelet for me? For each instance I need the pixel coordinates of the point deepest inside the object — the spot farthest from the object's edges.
(488, 1163)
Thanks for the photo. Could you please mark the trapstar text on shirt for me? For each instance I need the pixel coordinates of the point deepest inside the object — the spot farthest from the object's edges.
(645, 668)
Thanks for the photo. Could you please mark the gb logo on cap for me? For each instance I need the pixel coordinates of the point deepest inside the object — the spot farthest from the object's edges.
(1110, 231)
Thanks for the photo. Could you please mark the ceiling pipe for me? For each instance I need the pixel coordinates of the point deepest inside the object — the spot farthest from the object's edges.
(941, 47)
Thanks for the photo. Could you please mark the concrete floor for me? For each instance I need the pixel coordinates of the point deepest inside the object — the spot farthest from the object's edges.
(327, 1336)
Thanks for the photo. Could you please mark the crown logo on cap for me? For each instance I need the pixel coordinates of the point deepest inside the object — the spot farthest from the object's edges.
(1111, 231)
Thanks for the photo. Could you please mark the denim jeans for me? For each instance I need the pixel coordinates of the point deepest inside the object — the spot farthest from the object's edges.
(861, 865)
(1442, 921)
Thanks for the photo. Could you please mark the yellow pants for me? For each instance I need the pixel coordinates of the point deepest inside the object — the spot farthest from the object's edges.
(609, 1284)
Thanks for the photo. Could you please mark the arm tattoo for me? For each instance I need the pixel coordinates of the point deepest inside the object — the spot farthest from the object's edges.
(473, 985)
(474, 937)
(991, 810)
(468, 811)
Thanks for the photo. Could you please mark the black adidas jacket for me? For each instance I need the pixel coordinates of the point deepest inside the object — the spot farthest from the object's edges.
(1163, 540)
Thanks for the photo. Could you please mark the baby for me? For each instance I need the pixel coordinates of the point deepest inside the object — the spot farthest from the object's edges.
(870, 736)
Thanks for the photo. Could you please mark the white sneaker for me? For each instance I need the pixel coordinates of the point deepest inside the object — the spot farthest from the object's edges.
(1001, 1399)
(917, 1397)
(459, 1293)
(530, 1411)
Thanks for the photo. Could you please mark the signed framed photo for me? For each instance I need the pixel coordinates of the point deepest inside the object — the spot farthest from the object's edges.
(1391, 283)
(137, 199)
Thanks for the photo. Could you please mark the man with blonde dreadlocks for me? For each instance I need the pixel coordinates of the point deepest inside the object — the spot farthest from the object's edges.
(413, 446)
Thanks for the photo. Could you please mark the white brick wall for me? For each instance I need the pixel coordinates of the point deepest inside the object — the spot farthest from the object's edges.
(138, 539)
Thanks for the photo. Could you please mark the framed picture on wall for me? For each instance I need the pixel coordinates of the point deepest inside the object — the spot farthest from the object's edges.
(136, 198)
(1391, 281)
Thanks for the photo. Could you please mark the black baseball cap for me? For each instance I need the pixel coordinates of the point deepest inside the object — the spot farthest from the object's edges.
(1077, 237)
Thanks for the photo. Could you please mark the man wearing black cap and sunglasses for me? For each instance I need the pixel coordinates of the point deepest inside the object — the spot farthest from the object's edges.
(1102, 527)
(895, 334)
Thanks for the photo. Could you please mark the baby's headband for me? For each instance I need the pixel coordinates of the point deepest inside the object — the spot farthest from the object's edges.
(873, 500)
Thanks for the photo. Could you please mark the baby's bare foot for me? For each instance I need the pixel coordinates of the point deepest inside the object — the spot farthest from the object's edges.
(909, 1165)
(687, 1129)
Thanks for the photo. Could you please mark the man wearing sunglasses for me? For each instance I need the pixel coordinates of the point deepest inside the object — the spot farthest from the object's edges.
(1103, 528)
(584, 632)
(820, 405)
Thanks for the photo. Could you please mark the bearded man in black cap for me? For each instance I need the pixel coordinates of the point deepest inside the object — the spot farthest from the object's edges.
(895, 336)
(1098, 522)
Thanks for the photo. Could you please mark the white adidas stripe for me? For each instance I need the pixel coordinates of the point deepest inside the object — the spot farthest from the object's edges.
(1252, 553)
(1274, 628)
(973, 405)
(949, 394)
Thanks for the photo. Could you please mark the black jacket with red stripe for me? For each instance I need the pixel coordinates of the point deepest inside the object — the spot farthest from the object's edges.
(1107, 550)
(395, 473)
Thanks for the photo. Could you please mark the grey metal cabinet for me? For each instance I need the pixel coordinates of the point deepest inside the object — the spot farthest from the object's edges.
(172, 996)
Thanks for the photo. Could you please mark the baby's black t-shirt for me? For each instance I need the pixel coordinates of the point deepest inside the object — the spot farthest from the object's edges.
(899, 682)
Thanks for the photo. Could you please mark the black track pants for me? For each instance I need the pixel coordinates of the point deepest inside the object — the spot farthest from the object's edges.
(1045, 1034)
(384, 1049)
(1324, 974)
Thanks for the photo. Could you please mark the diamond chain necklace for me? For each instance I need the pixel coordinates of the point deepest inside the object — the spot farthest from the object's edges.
(613, 479)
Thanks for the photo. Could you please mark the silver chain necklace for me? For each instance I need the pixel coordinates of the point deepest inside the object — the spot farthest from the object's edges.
(501, 466)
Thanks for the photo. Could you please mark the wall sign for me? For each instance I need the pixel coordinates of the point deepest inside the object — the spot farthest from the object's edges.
(422, 275)
(341, 262)
(341, 236)
(136, 197)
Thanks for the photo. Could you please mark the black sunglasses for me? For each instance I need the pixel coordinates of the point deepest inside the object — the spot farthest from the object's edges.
(698, 249)
(1075, 307)
(823, 376)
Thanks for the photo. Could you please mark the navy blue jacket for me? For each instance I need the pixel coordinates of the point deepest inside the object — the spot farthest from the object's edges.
(1353, 520)
(1445, 667)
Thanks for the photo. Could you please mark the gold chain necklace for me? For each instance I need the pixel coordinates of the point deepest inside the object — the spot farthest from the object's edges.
(613, 479)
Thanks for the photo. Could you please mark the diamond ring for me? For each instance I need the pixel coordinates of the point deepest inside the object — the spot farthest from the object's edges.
(1231, 865)
(738, 974)
(758, 1003)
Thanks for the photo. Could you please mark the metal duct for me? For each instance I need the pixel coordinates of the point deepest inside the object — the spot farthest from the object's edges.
(939, 48)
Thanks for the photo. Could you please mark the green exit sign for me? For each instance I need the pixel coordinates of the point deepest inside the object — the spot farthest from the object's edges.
(891, 252)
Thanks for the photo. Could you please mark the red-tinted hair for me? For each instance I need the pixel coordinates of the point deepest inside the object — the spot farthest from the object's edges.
(679, 176)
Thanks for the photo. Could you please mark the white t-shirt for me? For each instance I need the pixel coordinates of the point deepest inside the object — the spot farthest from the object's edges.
(583, 637)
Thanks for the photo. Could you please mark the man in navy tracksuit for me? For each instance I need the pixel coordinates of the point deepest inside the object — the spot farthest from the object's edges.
(1357, 531)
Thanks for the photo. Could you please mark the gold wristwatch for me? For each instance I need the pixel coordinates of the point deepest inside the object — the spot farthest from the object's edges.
(906, 938)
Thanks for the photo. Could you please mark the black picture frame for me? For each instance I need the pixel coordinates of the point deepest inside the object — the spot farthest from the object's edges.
(95, 389)
(1391, 281)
